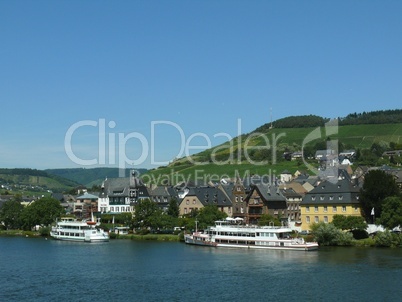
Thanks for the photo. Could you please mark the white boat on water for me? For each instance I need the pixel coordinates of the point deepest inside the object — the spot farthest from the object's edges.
(229, 234)
(76, 230)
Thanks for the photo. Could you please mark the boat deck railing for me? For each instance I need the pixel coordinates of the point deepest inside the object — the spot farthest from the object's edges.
(243, 226)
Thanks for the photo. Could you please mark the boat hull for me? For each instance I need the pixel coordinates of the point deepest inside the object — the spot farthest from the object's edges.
(91, 239)
(300, 247)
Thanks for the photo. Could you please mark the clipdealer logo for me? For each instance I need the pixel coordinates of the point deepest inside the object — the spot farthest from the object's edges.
(112, 146)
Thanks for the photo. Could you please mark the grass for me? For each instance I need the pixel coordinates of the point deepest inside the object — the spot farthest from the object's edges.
(213, 172)
(19, 233)
(359, 136)
(150, 237)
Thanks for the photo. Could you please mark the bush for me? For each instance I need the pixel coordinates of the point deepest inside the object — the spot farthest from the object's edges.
(44, 231)
(364, 242)
(328, 234)
(343, 238)
(325, 233)
(143, 232)
(383, 239)
(359, 234)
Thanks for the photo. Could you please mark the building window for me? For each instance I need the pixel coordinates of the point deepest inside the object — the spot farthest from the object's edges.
(316, 209)
(111, 209)
(238, 189)
(187, 201)
(185, 210)
(307, 209)
(308, 219)
(316, 219)
(194, 201)
(241, 198)
(356, 208)
(331, 198)
(237, 199)
(334, 209)
(326, 219)
(343, 208)
(325, 209)
(313, 198)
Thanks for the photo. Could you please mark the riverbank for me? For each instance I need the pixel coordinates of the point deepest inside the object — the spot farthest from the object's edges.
(18, 233)
(147, 237)
(385, 239)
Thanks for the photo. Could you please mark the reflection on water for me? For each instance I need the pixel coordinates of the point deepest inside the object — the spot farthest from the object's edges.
(122, 270)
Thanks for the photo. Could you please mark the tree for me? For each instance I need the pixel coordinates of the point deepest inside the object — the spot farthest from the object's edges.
(41, 212)
(10, 214)
(349, 222)
(329, 234)
(267, 219)
(391, 215)
(208, 215)
(163, 221)
(377, 186)
(173, 209)
(145, 213)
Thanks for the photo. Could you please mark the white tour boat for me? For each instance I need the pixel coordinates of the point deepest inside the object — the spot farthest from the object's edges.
(230, 234)
(76, 230)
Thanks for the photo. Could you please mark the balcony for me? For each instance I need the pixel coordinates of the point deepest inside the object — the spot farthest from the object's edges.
(255, 203)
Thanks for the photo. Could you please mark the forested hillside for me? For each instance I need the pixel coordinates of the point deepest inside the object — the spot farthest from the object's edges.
(89, 177)
(32, 177)
(374, 117)
(308, 121)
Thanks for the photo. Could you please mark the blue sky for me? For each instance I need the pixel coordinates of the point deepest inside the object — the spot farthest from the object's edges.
(199, 66)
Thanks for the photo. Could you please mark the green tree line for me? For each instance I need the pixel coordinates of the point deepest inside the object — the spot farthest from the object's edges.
(42, 212)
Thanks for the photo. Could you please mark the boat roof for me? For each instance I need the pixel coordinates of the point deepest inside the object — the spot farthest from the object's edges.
(222, 224)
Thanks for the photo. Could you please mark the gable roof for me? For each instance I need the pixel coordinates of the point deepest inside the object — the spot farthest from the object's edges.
(327, 192)
(212, 196)
(120, 186)
(271, 195)
(160, 191)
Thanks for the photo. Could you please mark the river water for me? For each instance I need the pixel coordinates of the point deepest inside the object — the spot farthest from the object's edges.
(33, 269)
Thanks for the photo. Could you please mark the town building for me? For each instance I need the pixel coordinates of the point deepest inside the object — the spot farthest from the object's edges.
(120, 195)
(195, 198)
(329, 198)
(265, 198)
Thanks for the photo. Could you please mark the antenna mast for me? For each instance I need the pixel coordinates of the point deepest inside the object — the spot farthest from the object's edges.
(270, 109)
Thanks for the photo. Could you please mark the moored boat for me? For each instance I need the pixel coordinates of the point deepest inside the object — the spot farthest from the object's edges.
(75, 230)
(227, 234)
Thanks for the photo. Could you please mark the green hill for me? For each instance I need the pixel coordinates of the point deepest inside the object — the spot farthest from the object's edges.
(35, 178)
(89, 177)
(360, 136)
